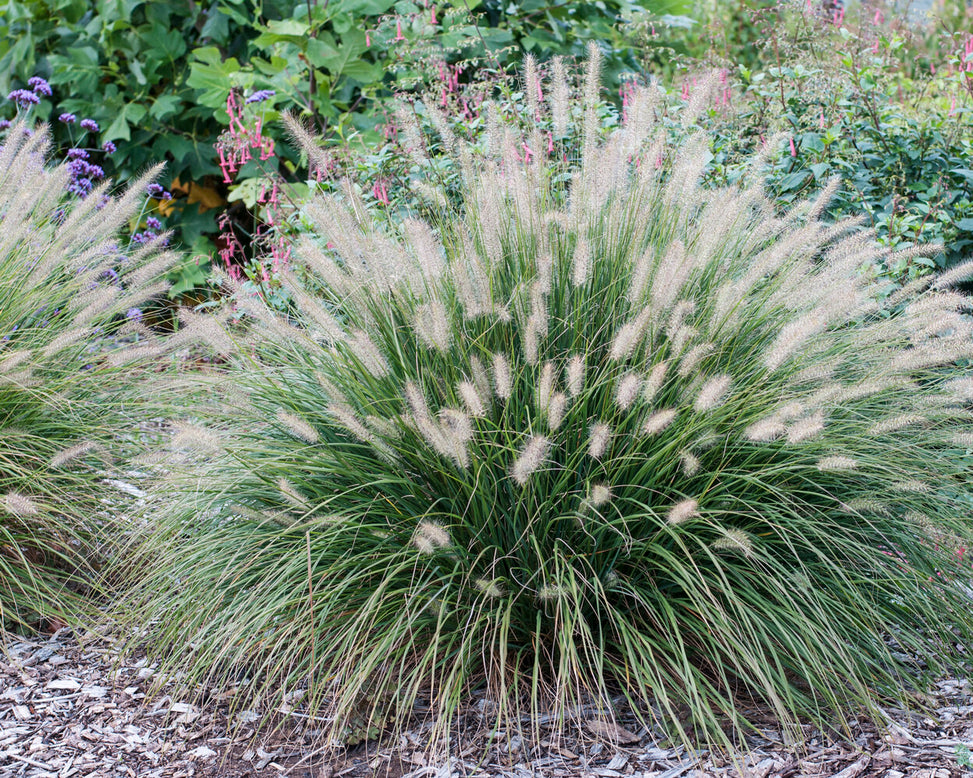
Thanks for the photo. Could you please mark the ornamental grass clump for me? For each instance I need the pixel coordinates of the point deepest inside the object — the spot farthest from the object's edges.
(604, 433)
(65, 289)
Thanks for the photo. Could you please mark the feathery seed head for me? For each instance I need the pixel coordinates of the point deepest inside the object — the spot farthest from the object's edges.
(581, 266)
(367, 353)
(432, 326)
(690, 362)
(765, 430)
(712, 394)
(575, 377)
(790, 338)
(959, 390)
(74, 453)
(290, 494)
(502, 380)
(627, 390)
(865, 505)
(690, 463)
(489, 588)
(599, 437)
(963, 439)
(806, 428)
(481, 380)
(836, 463)
(545, 386)
(531, 457)
(913, 485)
(560, 103)
(654, 382)
(681, 511)
(194, 437)
(896, 423)
(600, 495)
(430, 537)
(629, 336)
(472, 399)
(347, 418)
(298, 427)
(658, 421)
(19, 505)
(556, 409)
(734, 541)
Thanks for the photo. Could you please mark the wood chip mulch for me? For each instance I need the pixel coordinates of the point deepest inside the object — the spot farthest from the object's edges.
(67, 708)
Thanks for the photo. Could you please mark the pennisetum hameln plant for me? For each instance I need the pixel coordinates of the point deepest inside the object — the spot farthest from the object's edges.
(69, 299)
(599, 434)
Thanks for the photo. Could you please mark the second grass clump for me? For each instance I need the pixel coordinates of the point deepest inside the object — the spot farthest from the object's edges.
(603, 432)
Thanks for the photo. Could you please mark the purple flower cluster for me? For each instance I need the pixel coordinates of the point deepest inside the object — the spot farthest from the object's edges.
(67, 118)
(83, 172)
(156, 191)
(23, 98)
(109, 147)
(260, 96)
(89, 124)
(39, 85)
(152, 228)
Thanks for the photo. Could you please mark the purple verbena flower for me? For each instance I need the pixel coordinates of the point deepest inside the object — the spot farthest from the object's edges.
(109, 147)
(67, 118)
(89, 124)
(23, 98)
(77, 154)
(260, 96)
(134, 314)
(154, 190)
(4, 124)
(39, 85)
(153, 224)
(80, 187)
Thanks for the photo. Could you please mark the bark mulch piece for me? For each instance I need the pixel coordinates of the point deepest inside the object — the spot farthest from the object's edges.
(68, 708)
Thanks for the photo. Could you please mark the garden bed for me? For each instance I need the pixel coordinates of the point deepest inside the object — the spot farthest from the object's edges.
(68, 710)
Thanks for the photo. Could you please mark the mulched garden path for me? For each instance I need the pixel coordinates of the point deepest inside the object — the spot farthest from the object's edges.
(67, 710)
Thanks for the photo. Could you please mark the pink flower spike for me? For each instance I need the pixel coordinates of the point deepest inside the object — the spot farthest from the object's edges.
(878, 16)
(875, 48)
(380, 193)
(793, 148)
(821, 122)
(432, 16)
(932, 68)
(368, 39)
(952, 107)
(527, 153)
(398, 31)
(550, 142)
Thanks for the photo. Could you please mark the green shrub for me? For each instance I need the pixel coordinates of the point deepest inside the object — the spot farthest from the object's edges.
(66, 294)
(607, 431)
